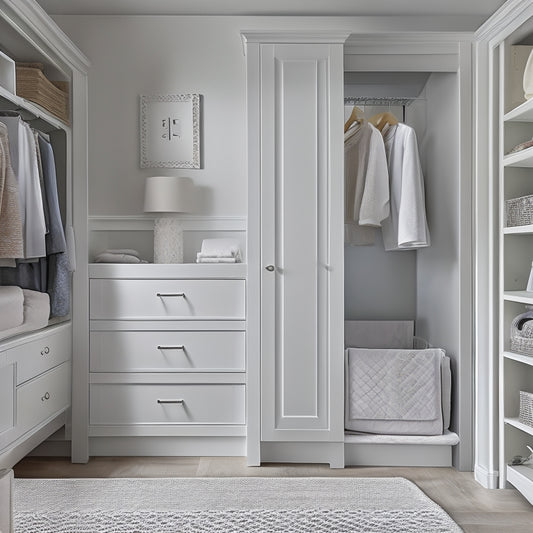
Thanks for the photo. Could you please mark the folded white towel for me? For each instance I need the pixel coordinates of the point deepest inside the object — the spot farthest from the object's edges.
(215, 259)
(221, 248)
(11, 307)
(36, 314)
(108, 257)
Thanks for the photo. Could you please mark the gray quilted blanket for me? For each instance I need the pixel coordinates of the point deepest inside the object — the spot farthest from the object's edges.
(391, 384)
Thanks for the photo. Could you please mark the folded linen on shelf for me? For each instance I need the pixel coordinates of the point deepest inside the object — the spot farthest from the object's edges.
(11, 307)
(36, 314)
(392, 391)
(202, 259)
(219, 249)
(119, 256)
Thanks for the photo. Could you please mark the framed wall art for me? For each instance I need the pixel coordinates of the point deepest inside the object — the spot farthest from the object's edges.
(170, 131)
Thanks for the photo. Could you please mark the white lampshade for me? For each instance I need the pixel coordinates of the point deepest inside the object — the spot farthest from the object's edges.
(168, 194)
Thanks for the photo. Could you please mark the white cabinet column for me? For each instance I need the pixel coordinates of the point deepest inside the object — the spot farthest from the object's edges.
(295, 98)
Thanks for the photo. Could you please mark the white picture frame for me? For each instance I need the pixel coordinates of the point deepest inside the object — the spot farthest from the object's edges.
(170, 131)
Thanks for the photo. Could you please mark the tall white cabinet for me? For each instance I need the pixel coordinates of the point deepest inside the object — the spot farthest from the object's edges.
(295, 318)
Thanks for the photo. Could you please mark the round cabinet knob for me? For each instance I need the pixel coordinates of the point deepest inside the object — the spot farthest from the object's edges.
(270, 268)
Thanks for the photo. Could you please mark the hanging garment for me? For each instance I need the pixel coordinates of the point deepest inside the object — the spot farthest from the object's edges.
(22, 149)
(58, 276)
(11, 242)
(366, 183)
(406, 227)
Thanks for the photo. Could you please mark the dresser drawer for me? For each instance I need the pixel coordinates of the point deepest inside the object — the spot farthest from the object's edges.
(42, 397)
(120, 404)
(7, 397)
(167, 299)
(38, 356)
(161, 351)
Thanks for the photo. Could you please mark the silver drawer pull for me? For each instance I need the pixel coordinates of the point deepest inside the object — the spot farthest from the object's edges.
(175, 347)
(171, 294)
(171, 401)
(45, 351)
(45, 397)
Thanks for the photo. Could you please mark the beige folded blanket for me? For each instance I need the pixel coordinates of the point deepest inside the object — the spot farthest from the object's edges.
(11, 307)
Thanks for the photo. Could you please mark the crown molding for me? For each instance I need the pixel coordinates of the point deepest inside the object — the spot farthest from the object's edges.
(506, 20)
(288, 37)
(34, 23)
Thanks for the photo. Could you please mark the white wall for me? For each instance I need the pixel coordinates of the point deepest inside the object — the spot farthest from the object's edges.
(132, 55)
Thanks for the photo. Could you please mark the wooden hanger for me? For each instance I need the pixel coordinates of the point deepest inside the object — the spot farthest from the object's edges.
(383, 119)
(356, 116)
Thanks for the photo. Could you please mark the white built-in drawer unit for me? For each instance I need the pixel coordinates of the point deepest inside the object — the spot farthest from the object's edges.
(35, 380)
(133, 403)
(167, 351)
(167, 299)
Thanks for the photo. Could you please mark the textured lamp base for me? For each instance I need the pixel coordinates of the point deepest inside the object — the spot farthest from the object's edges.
(168, 240)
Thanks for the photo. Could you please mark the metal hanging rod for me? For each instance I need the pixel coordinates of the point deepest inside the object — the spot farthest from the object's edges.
(380, 100)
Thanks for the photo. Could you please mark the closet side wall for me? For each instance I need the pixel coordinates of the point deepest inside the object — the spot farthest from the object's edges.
(439, 294)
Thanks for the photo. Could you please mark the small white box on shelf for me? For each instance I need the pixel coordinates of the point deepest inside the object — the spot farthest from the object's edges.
(7, 73)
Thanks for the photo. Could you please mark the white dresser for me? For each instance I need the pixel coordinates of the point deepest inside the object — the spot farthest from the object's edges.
(167, 359)
(34, 389)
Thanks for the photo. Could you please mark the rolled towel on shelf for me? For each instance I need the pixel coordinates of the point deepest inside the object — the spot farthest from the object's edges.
(11, 307)
(219, 249)
(112, 257)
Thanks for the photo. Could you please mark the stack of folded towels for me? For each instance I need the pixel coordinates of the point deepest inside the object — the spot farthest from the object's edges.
(119, 256)
(219, 251)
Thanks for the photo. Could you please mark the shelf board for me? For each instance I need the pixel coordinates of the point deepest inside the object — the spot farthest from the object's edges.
(522, 113)
(522, 159)
(518, 425)
(519, 230)
(523, 297)
(35, 111)
(526, 359)
(521, 477)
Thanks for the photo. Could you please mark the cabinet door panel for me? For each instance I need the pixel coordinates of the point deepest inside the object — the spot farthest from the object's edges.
(296, 227)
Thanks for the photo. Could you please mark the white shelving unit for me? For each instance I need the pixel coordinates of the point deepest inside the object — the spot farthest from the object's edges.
(516, 254)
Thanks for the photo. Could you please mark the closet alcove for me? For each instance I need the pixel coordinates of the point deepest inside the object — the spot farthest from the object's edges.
(422, 285)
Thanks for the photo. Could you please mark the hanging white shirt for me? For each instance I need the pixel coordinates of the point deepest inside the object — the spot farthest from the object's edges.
(406, 227)
(366, 183)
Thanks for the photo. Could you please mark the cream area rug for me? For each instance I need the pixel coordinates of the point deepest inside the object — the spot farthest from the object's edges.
(187, 505)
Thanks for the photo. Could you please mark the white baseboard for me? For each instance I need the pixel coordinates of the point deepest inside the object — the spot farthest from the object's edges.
(303, 452)
(486, 479)
(397, 455)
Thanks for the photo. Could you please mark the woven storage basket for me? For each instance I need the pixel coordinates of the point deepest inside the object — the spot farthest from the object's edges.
(519, 211)
(522, 333)
(33, 85)
(526, 408)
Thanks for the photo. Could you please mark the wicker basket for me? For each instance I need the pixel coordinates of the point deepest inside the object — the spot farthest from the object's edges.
(33, 85)
(526, 408)
(522, 333)
(519, 211)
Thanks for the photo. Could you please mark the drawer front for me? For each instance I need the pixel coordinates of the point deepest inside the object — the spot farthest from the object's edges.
(127, 403)
(167, 299)
(42, 397)
(38, 356)
(161, 351)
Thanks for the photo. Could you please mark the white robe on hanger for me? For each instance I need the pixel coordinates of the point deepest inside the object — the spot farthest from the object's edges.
(366, 183)
(406, 227)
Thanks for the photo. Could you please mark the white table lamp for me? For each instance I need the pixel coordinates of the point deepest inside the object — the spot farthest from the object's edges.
(167, 195)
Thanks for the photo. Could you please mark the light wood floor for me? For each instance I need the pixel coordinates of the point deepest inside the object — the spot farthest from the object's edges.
(474, 508)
